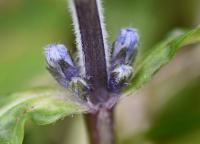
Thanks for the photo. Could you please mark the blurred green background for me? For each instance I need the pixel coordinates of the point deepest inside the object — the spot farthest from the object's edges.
(165, 111)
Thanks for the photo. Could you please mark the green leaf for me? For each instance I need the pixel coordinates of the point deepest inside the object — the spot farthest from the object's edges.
(160, 55)
(42, 106)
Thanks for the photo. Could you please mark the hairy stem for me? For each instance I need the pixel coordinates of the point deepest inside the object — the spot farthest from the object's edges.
(101, 127)
(93, 47)
(91, 43)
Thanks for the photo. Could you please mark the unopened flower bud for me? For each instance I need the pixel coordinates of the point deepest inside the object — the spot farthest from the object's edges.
(60, 63)
(125, 47)
(79, 87)
(122, 73)
(119, 77)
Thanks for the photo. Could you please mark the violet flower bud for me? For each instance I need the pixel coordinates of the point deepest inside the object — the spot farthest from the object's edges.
(123, 53)
(125, 47)
(122, 73)
(60, 63)
(119, 77)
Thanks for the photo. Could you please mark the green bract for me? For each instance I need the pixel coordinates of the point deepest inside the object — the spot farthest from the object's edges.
(42, 106)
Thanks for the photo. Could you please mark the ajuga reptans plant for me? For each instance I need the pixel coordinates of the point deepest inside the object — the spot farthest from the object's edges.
(96, 79)
(101, 72)
(68, 74)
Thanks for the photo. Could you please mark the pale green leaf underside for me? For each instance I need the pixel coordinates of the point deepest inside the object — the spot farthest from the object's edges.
(42, 106)
(159, 56)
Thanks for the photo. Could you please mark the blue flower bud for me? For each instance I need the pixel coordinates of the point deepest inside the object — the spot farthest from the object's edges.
(55, 53)
(60, 63)
(119, 76)
(125, 47)
(122, 73)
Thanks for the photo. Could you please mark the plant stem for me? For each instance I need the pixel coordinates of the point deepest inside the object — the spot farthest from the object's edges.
(101, 127)
(88, 24)
(93, 48)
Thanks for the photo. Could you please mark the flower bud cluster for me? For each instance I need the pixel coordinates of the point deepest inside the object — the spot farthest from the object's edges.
(124, 51)
(63, 69)
(67, 74)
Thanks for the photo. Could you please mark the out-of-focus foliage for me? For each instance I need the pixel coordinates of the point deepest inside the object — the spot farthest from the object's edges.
(26, 26)
(179, 117)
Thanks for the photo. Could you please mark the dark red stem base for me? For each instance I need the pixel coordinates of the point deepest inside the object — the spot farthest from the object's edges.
(100, 127)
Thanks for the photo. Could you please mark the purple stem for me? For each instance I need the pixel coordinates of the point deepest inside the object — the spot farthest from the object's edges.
(93, 49)
(100, 124)
(101, 127)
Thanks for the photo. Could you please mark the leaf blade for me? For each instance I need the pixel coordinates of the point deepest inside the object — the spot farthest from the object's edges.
(43, 106)
(159, 56)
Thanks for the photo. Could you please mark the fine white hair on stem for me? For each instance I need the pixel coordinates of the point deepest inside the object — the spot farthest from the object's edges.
(104, 34)
(81, 59)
